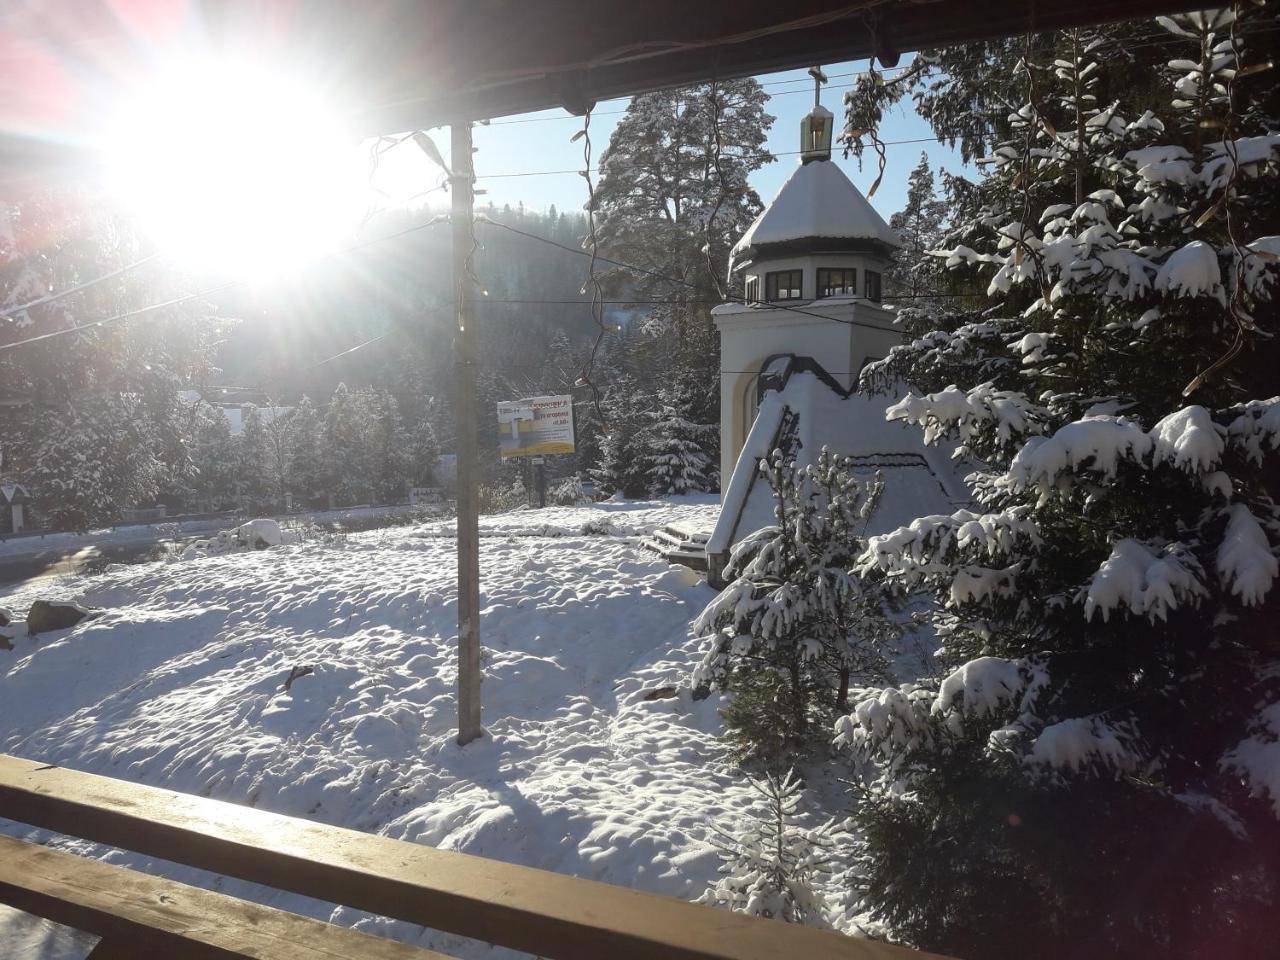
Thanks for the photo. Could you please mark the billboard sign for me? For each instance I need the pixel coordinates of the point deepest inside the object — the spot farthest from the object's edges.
(535, 426)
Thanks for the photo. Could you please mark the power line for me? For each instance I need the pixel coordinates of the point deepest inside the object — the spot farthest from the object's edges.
(692, 161)
(207, 291)
(11, 312)
(661, 276)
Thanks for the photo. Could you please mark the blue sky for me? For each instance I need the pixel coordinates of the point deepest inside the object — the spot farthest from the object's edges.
(540, 142)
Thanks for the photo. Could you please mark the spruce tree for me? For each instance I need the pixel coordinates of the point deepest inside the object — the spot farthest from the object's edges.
(307, 467)
(794, 628)
(673, 198)
(920, 226)
(681, 453)
(1095, 772)
(252, 457)
(771, 866)
(213, 452)
(349, 455)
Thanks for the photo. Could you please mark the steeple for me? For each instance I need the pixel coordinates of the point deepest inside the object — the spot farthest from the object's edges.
(816, 127)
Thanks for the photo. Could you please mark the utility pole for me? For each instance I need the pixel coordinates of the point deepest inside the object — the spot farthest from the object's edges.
(462, 183)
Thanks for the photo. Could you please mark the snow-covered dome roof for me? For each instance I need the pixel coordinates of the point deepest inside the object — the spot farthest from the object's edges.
(817, 202)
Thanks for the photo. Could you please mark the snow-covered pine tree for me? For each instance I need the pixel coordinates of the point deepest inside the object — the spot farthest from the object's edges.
(1098, 771)
(252, 458)
(94, 457)
(307, 469)
(349, 429)
(674, 196)
(920, 225)
(621, 466)
(682, 454)
(214, 456)
(74, 388)
(794, 628)
(391, 452)
(277, 473)
(770, 867)
(678, 461)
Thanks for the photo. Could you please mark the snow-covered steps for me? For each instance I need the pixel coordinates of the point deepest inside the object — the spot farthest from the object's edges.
(680, 543)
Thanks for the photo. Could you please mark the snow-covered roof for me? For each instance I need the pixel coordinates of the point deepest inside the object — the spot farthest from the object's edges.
(807, 414)
(817, 201)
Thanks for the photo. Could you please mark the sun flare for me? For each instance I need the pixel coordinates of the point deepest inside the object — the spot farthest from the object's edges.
(232, 168)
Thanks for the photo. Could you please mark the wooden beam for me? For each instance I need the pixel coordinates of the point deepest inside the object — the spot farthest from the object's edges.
(671, 43)
(546, 913)
(137, 915)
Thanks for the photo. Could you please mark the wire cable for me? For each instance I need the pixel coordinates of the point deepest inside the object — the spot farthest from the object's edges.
(11, 313)
(208, 291)
(675, 280)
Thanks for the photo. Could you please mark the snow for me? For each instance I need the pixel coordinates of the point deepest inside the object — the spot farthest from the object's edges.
(1246, 563)
(1098, 443)
(180, 684)
(1256, 427)
(983, 685)
(1260, 261)
(1147, 580)
(1081, 742)
(817, 200)
(1192, 271)
(968, 412)
(918, 478)
(1189, 440)
(1257, 758)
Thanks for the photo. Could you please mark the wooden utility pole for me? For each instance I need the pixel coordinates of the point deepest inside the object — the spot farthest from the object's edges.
(462, 181)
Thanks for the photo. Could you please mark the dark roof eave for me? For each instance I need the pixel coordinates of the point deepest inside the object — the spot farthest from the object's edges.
(807, 246)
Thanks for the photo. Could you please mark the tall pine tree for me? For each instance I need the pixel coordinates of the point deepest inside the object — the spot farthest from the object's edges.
(1096, 770)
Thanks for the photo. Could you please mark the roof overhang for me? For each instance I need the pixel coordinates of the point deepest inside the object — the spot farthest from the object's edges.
(808, 246)
(401, 65)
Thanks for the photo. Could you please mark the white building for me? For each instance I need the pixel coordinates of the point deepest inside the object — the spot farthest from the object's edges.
(813, 264)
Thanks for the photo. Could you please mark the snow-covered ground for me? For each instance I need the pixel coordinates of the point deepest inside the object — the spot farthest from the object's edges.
(180, 684)
(133, 533)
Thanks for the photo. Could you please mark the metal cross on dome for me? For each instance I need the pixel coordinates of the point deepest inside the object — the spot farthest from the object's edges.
(819, 78)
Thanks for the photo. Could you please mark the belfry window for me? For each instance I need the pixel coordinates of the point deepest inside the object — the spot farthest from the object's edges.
(838, 282)
(783, 285)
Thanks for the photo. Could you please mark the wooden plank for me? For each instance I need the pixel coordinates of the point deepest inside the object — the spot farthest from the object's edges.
(143, 916)
(556, 916)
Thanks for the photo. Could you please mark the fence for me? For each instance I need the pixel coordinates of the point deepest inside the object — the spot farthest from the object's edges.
(138, 915)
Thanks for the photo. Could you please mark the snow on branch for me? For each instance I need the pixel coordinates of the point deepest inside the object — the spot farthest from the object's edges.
(925, 545)
(1256, 427)
(1189, 440)
(985, 686)
(1008, 413)
(1256, 759)
(1262, 266)
(1098, 443)
(1145, 579)
(1192, 271)
(1247, 564)
(1086, 743)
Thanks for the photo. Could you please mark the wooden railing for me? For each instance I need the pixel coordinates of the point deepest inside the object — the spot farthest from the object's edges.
(138, 915)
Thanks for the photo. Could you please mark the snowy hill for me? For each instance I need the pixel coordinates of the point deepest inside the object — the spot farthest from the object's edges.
(181, 684)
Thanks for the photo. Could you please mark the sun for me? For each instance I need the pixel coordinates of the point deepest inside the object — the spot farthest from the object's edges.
(232, 168)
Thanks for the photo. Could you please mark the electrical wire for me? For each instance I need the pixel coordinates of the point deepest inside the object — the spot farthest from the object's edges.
(208, 291)
(693, 162)
(12, 312)
(677, 281)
